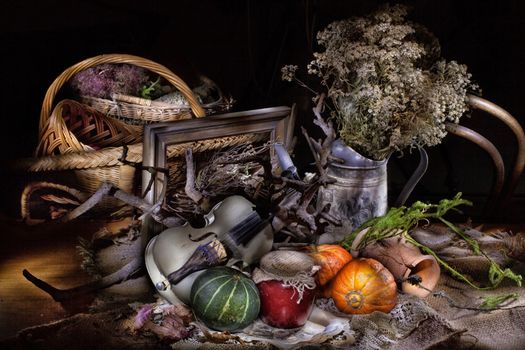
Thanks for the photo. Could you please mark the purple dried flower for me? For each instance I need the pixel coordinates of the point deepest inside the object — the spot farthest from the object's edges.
(105, 79)
(143, 316)
(172, 328)
(168, 322)
(130, 78)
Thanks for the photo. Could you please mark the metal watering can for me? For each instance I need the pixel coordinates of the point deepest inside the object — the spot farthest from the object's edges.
(360, 189)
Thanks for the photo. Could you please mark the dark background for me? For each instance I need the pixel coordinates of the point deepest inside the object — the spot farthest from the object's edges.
(242, 45)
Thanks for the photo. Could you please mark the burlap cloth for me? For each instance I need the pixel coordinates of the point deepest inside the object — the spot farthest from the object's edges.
(502, 329)
(452, 321)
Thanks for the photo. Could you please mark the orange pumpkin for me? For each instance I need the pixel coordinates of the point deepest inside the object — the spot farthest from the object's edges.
(364, 286)
(331, 258)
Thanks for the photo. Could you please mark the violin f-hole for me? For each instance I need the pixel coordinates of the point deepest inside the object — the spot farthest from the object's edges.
(204, 236)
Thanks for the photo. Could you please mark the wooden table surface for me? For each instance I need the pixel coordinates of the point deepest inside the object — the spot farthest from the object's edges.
(48, 251)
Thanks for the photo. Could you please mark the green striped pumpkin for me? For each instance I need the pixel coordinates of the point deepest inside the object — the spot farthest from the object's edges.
(224, 299)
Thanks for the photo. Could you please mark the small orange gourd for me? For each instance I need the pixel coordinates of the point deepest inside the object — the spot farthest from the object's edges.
(331, 258)
(363, 286)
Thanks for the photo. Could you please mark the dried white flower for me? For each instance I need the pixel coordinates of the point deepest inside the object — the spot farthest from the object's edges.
(389, 87)
(288, 72)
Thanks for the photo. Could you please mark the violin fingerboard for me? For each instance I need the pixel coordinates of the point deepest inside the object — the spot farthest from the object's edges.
(244, 231)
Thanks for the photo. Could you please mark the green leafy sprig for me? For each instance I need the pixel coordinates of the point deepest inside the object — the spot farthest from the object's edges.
(146, 90)
(399, 221)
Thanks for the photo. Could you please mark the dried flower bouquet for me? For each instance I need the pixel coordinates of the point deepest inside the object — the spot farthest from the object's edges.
(388, 85)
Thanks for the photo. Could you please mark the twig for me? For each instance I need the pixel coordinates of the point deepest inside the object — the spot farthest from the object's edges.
(329, 131)
(130, 269)
(327, 127)
(317, 146)
(153, 171)
(253, 154)
(312, 149)
(301, 210)
(324, 213)
(96, 198)
(321, 150)
(296, 184)
(294, 230)
(190, 189)
(107, 189)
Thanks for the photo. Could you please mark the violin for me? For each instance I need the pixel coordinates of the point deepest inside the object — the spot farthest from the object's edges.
(232, 227)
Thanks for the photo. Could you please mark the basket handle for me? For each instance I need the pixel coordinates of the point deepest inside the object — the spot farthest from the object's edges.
(154, 67)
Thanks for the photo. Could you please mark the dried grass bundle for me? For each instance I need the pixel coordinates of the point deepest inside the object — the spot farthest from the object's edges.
(234, 170)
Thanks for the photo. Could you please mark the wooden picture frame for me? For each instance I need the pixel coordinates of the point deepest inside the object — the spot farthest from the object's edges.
(277, 122)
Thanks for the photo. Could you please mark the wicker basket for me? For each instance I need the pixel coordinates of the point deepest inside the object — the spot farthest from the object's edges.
(74, 127)
(78, 163)
(140, 111)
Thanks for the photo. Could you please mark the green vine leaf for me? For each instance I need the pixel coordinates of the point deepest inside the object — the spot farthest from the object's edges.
(497, 274)
(493, 302)
(399, 221)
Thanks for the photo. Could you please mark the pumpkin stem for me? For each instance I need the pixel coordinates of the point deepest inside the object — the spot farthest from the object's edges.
(354, 299)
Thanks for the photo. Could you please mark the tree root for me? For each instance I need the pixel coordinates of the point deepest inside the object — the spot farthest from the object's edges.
(61, 295)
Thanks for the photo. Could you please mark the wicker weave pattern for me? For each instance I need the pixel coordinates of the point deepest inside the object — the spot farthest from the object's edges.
(83, 160)
(135, 113)
(74, 127)
(25, 200)
(66, 144)
(212, 144)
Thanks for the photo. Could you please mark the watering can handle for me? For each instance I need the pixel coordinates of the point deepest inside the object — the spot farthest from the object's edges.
(414, 179)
